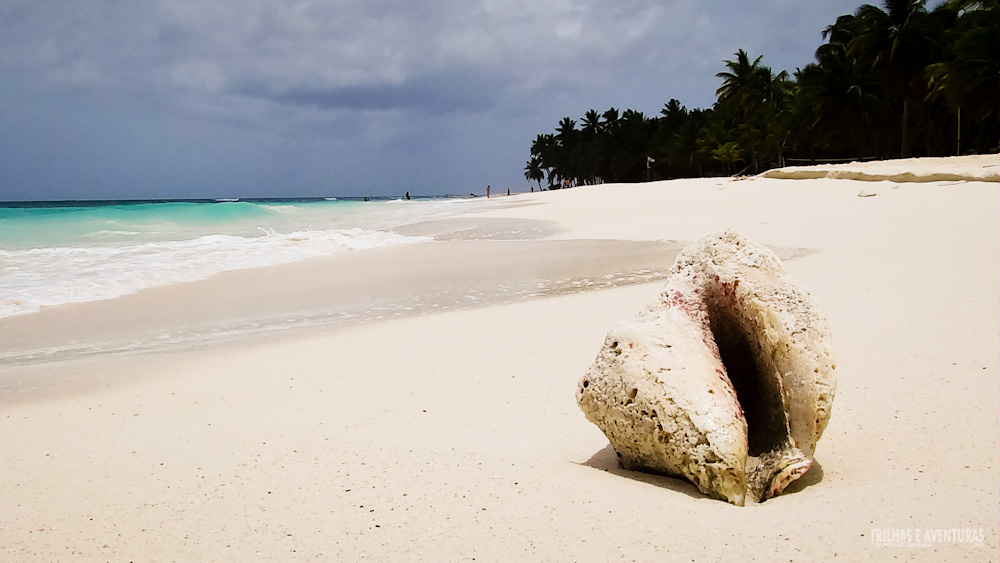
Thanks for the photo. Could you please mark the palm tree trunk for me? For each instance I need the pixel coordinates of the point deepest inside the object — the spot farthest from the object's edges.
(958, 134)
(904, 148)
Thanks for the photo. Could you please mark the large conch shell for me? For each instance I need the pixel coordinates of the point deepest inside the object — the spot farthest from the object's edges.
(726, 379)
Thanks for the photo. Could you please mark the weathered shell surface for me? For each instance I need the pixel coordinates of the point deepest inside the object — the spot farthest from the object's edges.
(726, 379)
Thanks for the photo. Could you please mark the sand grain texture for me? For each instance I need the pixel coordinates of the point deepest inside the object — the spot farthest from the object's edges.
(455, 436)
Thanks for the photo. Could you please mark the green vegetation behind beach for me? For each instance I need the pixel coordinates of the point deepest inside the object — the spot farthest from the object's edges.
(896, 80)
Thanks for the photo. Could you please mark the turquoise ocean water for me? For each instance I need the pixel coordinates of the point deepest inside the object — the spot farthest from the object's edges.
(54, 253)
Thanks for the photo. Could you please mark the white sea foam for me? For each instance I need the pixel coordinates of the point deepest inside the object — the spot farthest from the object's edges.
(43, 277)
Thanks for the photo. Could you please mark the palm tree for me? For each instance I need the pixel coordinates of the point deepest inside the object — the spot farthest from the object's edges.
(682, 144)
(674, 114)
(711, 135)
(728, 153)
(544, 148)
(566, 129)
(610, 118)
(632, 118)
(898, 39)
(741, 84)
(970, 77)
(750, 88)
(589, 146)
(591, 122)
(631, 145)
(839, 102)
(533, 171)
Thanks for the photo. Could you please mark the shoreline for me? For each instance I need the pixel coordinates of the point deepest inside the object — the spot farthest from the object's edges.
(346, 289)
(455, 435)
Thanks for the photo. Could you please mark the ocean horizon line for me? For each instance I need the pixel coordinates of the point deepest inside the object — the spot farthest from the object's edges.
(143, 201)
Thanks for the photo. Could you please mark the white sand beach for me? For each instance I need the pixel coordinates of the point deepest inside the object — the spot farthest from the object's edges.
(449, 431)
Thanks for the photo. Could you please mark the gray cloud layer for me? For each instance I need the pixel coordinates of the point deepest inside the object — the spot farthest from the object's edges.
(108, 98)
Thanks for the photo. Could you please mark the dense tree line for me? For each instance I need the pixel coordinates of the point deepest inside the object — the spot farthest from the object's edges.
(897, 80)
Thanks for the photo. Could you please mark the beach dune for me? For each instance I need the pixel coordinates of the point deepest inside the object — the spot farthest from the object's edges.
(452, 432)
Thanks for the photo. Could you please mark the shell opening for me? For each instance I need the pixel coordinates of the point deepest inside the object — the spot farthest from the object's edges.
(756, 382)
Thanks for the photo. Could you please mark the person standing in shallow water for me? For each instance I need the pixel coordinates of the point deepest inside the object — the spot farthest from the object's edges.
(407, 196)
(487, 192)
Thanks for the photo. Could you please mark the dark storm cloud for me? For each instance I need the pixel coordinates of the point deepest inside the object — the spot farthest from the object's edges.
(345, 54)
(436, 93)
(442, 80)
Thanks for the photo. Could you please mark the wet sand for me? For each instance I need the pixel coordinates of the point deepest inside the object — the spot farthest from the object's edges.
(346, 289)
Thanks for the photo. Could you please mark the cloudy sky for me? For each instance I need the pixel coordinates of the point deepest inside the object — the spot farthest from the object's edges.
(200, 98)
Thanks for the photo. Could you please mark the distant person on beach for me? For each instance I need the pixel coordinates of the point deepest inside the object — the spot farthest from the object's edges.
(487, 191)
(508, 191)
(407, 196)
